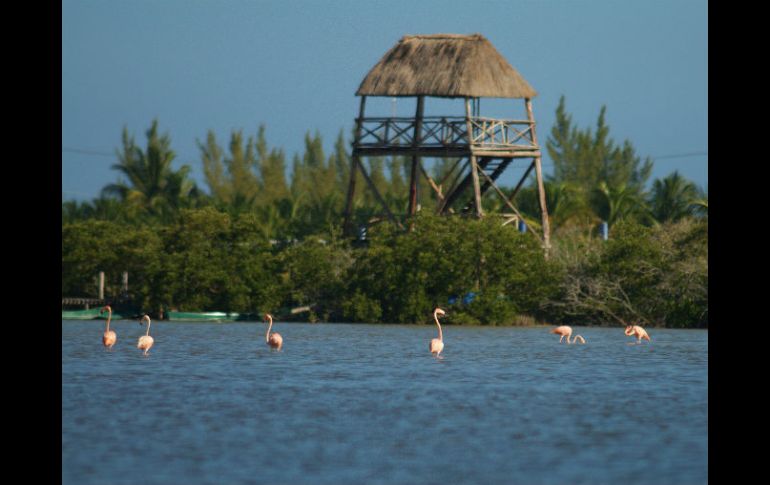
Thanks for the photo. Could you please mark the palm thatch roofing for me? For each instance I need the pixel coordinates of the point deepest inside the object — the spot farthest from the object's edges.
(445, 66)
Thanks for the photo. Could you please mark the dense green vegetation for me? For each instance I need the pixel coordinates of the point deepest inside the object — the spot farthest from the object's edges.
(258, 240)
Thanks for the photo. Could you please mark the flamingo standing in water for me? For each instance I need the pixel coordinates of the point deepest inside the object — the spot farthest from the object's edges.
(145, 341)
(274, 339)
(437, 344)
(110, 337)
(639, 332)
(566, 331)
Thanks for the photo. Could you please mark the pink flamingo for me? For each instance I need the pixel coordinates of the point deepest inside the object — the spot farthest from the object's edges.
(110, 337)
(145, 341)
(639, 332)
(274, 339)
(566, 331)
(437, 344)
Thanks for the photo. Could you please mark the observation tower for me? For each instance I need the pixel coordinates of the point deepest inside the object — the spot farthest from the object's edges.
(465, 67)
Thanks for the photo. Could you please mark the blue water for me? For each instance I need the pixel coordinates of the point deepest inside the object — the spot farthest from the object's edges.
(368, 404)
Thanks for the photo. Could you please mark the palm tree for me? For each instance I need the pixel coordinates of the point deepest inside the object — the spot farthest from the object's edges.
(288, 218)
(564, 201)
(152, 186)
(700, 205)
(672, 198)
(613, 203)
(270, 219)
(105, 209)
(72, 210)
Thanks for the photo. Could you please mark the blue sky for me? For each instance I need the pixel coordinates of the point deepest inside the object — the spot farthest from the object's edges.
(294, 66)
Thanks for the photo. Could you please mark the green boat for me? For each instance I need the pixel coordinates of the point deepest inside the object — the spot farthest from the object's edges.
(202, 316)
(91, 314)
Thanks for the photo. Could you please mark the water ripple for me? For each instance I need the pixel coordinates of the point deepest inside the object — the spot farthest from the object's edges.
(353, 404)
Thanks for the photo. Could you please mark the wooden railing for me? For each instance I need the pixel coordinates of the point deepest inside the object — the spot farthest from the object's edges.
(445, 132)
(82, 301)
(492, 133)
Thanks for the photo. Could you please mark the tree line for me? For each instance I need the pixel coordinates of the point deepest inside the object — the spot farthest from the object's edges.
(258, 240)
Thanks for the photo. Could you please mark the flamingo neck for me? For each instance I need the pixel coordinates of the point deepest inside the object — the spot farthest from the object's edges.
(109, 317)
(148, 326)
(440, 335)
(267, 335)
(575, 339)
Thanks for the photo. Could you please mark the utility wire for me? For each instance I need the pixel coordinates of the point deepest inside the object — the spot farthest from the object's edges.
(655, 158)
(681, 155)
(87, 152)
(550, 165)
(111, 155)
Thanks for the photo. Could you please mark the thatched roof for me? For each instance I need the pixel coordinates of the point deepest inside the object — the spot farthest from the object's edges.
(445, 65)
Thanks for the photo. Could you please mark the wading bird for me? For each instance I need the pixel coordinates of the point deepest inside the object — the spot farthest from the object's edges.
(274, 339)
(566, 331)
(145, 341)
(639, 332)
(110, 337)
(437, 344)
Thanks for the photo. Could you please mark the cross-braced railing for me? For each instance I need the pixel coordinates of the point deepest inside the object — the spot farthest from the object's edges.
(444, 132)
(493, 133)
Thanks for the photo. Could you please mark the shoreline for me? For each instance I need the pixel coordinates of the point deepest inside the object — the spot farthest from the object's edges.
(255, 322)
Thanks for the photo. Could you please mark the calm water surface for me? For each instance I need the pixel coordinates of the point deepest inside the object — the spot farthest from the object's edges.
(368, 404)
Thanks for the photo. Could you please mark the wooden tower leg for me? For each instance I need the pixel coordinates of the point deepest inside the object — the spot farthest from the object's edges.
(474, 165)
(346, 227)
(521, 182)
(416, 140)
(476, 187)
(413, 187)
(539, 175)
(376, 193)
(543, 208)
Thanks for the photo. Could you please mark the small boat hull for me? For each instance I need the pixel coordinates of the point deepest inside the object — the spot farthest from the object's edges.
(201, 316)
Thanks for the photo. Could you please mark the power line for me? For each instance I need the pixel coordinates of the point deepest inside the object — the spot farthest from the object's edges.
(87, 152)
(658, 157)
(681, 155)
(73, 192)
(95, 152)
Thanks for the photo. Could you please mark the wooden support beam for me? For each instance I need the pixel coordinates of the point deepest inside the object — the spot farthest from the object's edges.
(416, 140)
(510, 206)
(412, 209)
(446, 176)
(349, 202)
(481, 164)
(436, 188)
(474, 165)
(499, 170)
(459, 174)
(476, 186)
(521, 182)
(352, 183)
(540, 187)
(505, 153)
(543, 208)
(455, 189)
(377, 193)
(445, 151)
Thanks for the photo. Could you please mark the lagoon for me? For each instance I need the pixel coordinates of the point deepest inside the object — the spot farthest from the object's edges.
(368, 404)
